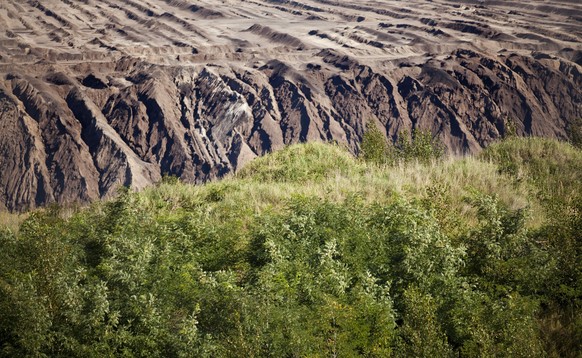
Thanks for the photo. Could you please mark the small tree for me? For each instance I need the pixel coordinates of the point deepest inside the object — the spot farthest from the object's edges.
(374, 147)
(421, 147)
(509, 128)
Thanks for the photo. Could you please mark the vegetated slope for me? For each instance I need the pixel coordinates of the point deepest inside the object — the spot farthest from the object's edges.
(310, 252)
(99, 94)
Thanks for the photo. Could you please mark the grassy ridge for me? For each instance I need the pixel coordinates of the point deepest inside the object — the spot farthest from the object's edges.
(311, 252)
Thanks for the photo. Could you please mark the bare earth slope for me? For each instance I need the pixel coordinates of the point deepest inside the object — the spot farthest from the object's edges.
(100, 93)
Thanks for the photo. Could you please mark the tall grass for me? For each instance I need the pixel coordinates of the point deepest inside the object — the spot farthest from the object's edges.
(331, 172)
(11, 221)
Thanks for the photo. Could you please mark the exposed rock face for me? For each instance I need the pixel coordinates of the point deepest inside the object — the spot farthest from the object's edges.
(96, 94)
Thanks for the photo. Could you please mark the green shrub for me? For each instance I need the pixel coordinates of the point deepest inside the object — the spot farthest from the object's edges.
(421, 335)
(374, 148)
(420, 147)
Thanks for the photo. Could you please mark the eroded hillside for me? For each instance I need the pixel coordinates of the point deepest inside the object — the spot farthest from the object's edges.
(98, 94)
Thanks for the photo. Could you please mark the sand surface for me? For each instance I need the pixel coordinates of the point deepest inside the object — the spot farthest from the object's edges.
(250, 32)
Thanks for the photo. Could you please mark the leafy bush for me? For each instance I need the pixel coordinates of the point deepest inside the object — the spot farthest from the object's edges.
(421, 335)
(553, 169)
(420, 147)
(374, 148)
